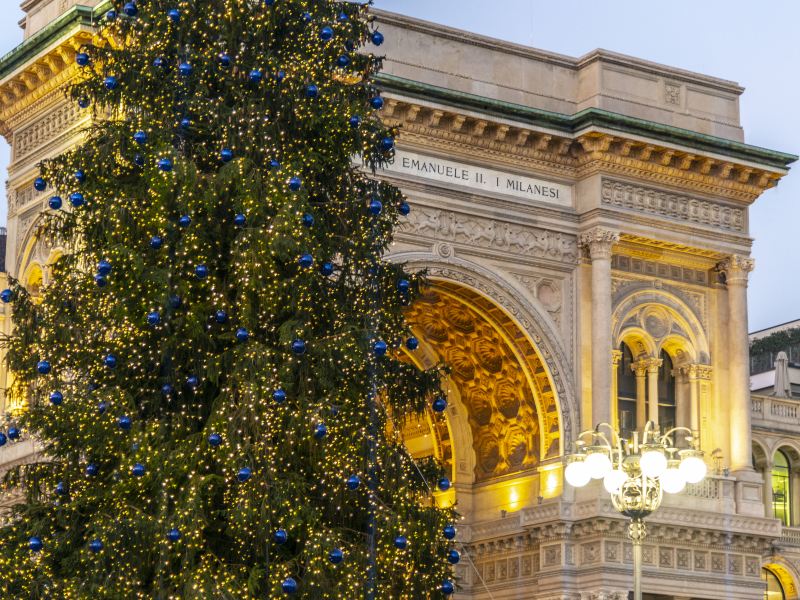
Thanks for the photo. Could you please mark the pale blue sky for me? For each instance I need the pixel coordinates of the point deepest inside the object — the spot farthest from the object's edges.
(753, 43)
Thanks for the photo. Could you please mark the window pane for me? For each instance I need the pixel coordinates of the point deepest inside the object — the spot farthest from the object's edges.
(772, 589)
(781, 488)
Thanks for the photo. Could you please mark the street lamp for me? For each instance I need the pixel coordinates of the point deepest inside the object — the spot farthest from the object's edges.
(636, 474)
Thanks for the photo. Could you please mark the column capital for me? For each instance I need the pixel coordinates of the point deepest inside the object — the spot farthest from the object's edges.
(736, 268)
(697, 371)
(639, 367)
(616, 356)
(599, 241)
(652, 364)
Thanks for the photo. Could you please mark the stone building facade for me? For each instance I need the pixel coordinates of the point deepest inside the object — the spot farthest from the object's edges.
(584, 223)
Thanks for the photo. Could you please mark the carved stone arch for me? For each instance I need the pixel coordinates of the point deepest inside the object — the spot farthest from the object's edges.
(665, 316)
(791, 449)
(532, 321)
(787, 574)
(36, 250)
(761, 454)
(639, 342)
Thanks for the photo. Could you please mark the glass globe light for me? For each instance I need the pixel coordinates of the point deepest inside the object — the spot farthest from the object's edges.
(614, 480)
(653, 462)
(577, 473)
(672, 480)
(693, 468)
(598, 463)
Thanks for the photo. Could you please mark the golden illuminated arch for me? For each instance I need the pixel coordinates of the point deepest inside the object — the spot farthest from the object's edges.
(497, 375)
(786, 575)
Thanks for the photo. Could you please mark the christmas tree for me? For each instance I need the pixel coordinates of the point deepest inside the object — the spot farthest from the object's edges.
(215, 370)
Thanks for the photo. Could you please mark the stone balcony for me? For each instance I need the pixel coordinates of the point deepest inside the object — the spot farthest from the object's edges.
(775, 414)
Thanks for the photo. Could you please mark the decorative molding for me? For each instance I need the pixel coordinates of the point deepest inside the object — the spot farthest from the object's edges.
(41, 131)
(658, 267)
(435, 224)
(674, 206)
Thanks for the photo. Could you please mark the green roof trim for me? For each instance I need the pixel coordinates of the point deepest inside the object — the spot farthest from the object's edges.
(590, 117)
(75, 17)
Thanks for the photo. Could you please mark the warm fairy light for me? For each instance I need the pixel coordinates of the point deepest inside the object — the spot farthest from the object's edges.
(236, 146)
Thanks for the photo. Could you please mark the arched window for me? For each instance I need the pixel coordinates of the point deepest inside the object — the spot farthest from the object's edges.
(626, 392)
(666, 393)
(781, 488)
(773, 590)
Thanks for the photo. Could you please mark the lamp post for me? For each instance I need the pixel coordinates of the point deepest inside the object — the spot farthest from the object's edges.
(636, 474)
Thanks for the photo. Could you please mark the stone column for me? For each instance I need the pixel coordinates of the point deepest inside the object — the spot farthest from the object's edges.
(736, 269)
(640, 370)
(653, 365)
(598, 242)
(682, 401)
(616, 356)
(768, 489)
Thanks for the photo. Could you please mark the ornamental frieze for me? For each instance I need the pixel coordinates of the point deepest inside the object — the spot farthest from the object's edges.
(673, 206)
(45, 129)
(424, 222)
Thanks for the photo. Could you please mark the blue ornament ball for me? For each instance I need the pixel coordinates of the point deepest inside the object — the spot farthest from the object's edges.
(221, 317)
(192, 381)
(156, 242)
(447, 587)
(185, 221)
(403, 286)
(305, 260)
(138, 160)
(320, 431)
(343, 61)
(240, 220)
(43, 367)
(224, 60)
(400, 542)
(307, 17)
(439, 404)
(82, 59)
(242, 335)
(35, 544)
(312, 91)
(76, 199)
(84, 102)
(130, 9)
(80, 176)
(295, 183)
(308, 220)
(377, 38)
(443, 484)
(342, 17)
(102, 407)
(376, 103)
(185, 123)
(279, 396)
(173, 535)
(280, 76)
(404, 209)
(453, 557)
(140, 137)
(326, 33)
(412, 343)
(124, 423)
(379, 348)
(336, 556)
(215, 440)
(167, 389)
(92, 469)
(185, 69)
(375, 206)
(104, 267)
(159, 62)
(280, 536)
(289, 586)
(56, 398)
(3, 439)
(165, 165)
(138, 470)
(256, 76)
(174, 15)
(299, 347)
(326, 268)
(55, 202)
(274, 164)
(13, 433)
(39, 184)
(110, 361)
(244, 474)
(61, 488)
(201, 271)
(111, 15)
(353, 482)
(153, 318)
(355, 121)
(6, 295)
(226, 155)
(110, 82)
(95, 546)
(387, 144)
(175, 301)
